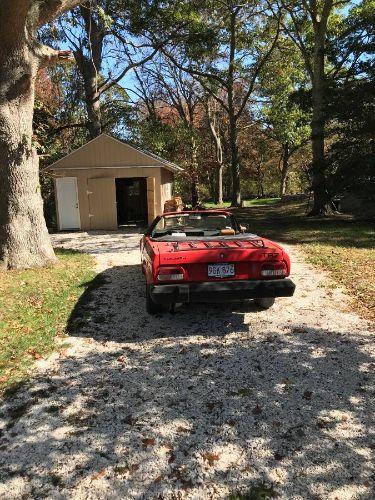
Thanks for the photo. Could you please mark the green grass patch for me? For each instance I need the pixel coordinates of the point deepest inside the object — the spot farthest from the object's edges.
(35, 305)
(340, 244)
(256, 202)
(211, 204)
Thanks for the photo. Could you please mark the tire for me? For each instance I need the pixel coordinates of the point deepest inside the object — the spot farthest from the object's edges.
(265, 303)
(151, 306)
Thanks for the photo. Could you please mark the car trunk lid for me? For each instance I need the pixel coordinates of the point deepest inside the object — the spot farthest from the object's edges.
(194, 256)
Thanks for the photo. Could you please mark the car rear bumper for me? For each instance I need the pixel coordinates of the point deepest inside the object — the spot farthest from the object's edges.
(221, 291)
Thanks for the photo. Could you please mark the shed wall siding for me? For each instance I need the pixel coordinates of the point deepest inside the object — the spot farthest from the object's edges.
(166, 186)
(155, 201)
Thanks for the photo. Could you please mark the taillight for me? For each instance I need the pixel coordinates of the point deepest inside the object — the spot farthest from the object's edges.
(273, 270)
(170, 274)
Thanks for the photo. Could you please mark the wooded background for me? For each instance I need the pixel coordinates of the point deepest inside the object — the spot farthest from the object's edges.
(256, 98)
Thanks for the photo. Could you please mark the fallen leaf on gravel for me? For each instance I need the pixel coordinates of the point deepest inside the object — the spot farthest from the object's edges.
(98, 475)
(211, 458)
(322, 424)
(276, 423)
(172, 458)
(257, 410)
(278, 456)
(130, 420)
(307, 395)
(183, 351)
(287, 381)
(126, 468)
(182, 429)
(270, 338)
(299, 329)
(148, 441)
(158, 479)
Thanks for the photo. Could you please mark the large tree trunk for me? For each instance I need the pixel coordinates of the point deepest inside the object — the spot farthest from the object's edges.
(92, 100)
(90, 68)
(235, 160)
(318, 114)
(194, 172)
(24, 239)
(212, 120)
(219, 185)
(317, 130)
(235, 163)
(284, 170)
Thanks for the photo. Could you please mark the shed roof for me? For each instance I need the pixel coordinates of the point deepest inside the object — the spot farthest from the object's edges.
(106, 151)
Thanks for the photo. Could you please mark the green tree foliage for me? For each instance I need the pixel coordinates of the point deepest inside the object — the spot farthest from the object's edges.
(351, 109)
(287, 123)
(227, 58)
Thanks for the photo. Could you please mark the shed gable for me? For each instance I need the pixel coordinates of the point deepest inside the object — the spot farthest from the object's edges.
(106, 151)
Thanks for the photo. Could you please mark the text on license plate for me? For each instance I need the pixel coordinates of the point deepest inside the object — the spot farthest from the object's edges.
(220, 270)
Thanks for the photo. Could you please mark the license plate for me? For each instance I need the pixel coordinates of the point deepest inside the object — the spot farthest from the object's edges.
(220, 270)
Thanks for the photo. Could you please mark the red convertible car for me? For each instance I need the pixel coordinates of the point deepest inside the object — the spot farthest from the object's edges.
(206, 256)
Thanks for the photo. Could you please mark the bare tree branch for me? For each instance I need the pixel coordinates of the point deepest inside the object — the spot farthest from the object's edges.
(51, 9)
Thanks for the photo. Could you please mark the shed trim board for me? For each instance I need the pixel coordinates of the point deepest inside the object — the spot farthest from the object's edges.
(110, 166)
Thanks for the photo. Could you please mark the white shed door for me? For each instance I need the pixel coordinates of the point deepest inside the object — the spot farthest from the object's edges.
(67, 203)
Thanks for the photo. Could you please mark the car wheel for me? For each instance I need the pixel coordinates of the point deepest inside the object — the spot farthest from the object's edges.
(265, 303)
(151, 306)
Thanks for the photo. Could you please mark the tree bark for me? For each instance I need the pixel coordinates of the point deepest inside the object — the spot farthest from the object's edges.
(90, 68)
(235, 159)
(235, 163)
(219, 185)
(317, 129)
(219, 155)
(284, 170)
(92, 95)
(318, 104)
(194, 172)
(24, 239)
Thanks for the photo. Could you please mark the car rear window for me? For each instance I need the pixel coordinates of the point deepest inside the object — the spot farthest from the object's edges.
(200, 224)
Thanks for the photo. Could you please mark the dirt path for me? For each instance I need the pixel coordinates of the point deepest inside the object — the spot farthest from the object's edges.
(200, 404)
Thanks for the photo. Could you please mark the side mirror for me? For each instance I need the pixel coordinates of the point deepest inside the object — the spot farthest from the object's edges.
(244, 228)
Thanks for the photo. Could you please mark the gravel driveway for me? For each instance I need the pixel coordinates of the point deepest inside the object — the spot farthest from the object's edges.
(210, 401)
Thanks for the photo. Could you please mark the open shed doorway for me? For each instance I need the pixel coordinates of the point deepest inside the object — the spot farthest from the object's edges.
(131, 198)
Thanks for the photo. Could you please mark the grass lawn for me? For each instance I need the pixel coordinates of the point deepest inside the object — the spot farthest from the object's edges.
(256, 202)
(340, 244)
(34, 307)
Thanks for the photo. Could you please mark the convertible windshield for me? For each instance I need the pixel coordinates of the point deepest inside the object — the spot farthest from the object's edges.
(194, 224)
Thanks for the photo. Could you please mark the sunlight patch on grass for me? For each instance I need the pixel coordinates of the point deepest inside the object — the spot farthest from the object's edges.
(256, 202)
(34, 307)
